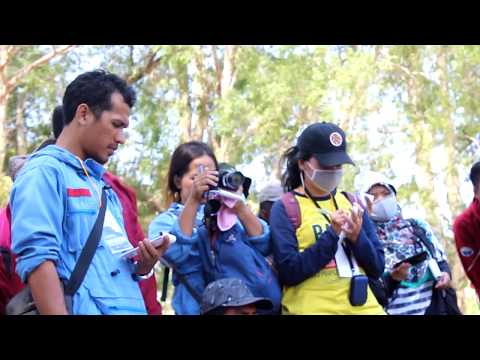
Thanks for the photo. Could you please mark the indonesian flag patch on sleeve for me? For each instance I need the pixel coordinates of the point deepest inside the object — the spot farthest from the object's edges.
(78, 192)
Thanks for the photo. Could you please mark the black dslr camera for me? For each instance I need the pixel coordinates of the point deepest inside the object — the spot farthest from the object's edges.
(228, 179)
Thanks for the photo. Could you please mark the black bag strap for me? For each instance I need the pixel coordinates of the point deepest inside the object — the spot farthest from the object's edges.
(88, 250)
(169, 264)
(190, 288)
(166, 273)
(348, 252)
(421, 234)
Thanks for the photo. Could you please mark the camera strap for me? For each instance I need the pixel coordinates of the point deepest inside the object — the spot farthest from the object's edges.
(318, 206)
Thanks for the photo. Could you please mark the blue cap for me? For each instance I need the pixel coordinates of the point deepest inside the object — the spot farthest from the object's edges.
(230, 292)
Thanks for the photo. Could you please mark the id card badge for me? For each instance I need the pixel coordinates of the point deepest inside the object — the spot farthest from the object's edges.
(434, 268)
(346, 267)
(114, 236)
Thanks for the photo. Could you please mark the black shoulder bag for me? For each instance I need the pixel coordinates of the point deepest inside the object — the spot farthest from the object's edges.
(444, 301)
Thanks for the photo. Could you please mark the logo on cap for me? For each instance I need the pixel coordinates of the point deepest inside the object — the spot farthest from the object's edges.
(466, 251)
(336, 139)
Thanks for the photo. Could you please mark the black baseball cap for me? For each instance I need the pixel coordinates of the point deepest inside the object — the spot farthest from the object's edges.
(326, 142)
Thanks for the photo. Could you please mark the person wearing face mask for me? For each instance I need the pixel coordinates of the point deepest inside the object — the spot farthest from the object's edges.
(323, 246)
(417, 275)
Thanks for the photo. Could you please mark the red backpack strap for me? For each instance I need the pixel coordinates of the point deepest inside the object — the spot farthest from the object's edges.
(292, 208)
(6, 256)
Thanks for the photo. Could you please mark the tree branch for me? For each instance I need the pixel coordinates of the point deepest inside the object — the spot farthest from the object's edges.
(472, 139)
(12, 50)
(6, 55)
(218, 71)
(139, 73)
(15, 79)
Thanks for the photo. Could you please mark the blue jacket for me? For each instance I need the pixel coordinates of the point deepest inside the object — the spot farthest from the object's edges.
(235, 255)
(54, 207)
(185, 257)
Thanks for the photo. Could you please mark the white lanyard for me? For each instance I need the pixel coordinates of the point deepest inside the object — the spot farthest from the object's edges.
(347, 265)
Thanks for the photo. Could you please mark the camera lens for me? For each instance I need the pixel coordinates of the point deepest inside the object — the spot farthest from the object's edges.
(234, 180)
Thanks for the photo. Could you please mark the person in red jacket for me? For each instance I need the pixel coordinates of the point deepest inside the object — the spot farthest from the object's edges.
(128, 199)
(466, 230)
(10, 283)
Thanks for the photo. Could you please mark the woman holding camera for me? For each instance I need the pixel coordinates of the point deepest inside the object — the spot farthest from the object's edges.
(183, 256)
(324, 248)
(233, 242)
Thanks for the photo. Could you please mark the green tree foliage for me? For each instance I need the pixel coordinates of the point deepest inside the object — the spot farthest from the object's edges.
(409, 111)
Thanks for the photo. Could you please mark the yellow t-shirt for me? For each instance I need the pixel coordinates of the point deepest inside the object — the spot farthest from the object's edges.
(325, 292)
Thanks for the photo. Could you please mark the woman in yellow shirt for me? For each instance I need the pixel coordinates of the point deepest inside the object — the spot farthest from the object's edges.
(322, 248)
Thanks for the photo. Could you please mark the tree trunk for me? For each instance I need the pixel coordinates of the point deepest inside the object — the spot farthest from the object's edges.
(452, 178)
(3, 102)
(3, 117)
(185, 102)
(229, 69)
(203, 98)
(21, 129)
(227, 82)
(422, 132)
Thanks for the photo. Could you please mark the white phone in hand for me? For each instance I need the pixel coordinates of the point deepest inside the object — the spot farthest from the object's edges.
(362, 198)
(156, 242)
(357, 209)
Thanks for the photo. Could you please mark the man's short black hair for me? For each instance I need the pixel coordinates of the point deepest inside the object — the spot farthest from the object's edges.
(57, 121)
(475, 174)
(95, 88)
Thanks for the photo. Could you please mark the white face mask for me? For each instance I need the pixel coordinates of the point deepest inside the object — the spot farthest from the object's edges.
(326, 180)
(384, 209)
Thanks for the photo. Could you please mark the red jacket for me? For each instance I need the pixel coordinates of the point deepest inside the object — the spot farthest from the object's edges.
(128, 199)
(466, 230)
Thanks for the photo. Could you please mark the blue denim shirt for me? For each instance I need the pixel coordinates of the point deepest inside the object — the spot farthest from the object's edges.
(54, 206)
(236, 255)
(185, 256)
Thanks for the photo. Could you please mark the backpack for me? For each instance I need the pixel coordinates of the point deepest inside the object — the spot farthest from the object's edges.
(444, 301)
(292, 209)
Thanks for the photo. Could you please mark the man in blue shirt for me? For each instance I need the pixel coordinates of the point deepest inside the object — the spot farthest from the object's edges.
(56, 198)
